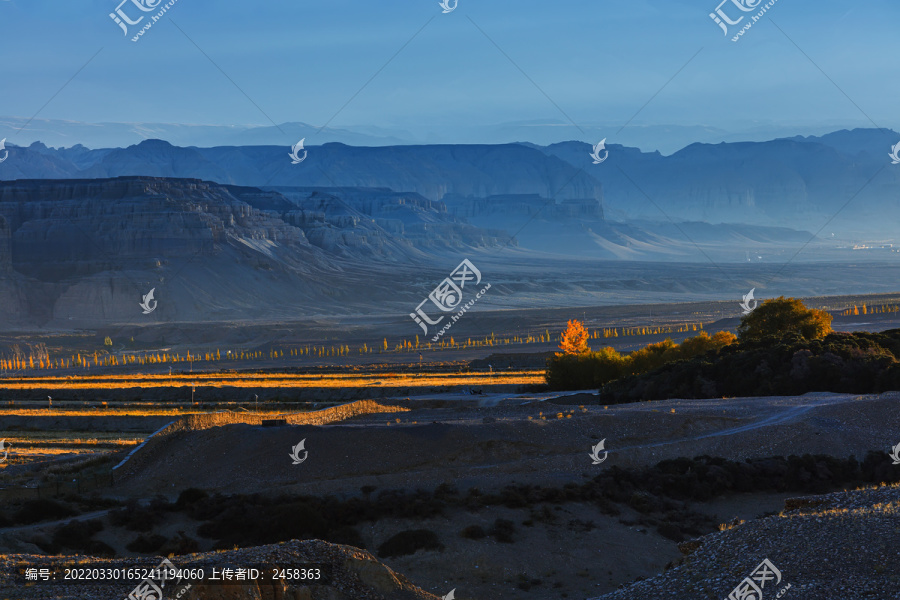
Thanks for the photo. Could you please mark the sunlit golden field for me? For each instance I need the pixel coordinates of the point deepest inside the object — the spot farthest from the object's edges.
(274, 380)
(111, 411)
(46, 445)
(38, 430)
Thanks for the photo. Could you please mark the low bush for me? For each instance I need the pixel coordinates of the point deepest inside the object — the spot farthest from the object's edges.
(503, 530)
(136, 517)
(180, 544)
(42, 509)
(409, 542)
(44, 543)
(146, 544)
(663, 494)
(189, 497)
(77, 536)
(349, 536)
(98, 548)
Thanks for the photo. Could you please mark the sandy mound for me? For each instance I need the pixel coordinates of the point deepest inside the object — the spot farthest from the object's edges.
(246, 458)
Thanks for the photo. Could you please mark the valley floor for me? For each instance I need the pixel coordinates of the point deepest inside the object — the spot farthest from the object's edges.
(489, 441)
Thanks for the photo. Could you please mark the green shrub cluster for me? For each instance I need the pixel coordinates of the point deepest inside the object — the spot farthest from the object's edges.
(595, 369)
(772, 322)
(76, 537)
(784, 316)
(662, 495)
(855, 363)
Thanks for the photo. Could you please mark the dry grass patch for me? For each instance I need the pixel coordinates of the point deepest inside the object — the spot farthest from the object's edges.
(274, 380)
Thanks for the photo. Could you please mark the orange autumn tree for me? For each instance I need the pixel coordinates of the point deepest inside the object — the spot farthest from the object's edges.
(574, 339)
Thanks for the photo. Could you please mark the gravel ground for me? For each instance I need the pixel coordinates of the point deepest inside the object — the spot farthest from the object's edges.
(508, 438)
(837, 546)
(842, 545)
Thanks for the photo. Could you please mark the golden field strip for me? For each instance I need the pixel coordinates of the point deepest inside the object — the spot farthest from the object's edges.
(59, 428)
(115, 411)
(37, 446)
(275, 380)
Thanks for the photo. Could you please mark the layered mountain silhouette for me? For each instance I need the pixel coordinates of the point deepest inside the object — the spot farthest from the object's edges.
(431, 171)
(83, 232)
(800, 182)
(797, 182)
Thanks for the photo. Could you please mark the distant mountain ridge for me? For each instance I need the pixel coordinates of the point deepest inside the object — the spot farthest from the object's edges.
(799, 182)
(431, 171)
(666, 138)
(794, 182)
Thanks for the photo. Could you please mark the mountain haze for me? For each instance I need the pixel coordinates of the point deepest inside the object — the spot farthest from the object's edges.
(793, 182)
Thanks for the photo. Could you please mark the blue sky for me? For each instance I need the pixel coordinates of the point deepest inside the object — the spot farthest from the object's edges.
(598, 61)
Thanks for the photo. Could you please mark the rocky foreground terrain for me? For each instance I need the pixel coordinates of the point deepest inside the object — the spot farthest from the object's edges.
(571, 527)
(353, 574)
(540, 440)
(841, 545)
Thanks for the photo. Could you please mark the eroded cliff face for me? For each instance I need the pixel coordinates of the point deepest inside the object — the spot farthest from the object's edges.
(527, 205)
(66, 228)
(340, 220)
(79, 252)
